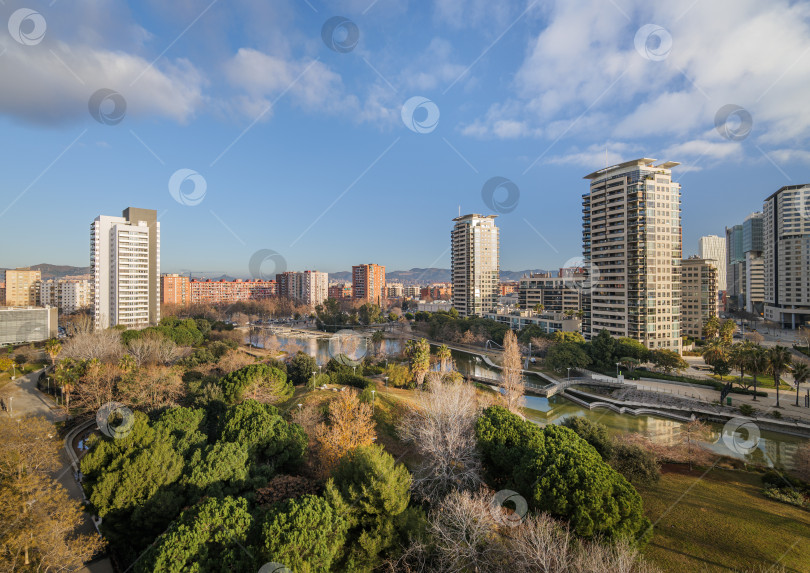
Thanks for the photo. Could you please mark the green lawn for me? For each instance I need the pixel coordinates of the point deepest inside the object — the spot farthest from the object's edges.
(722, 523)
(762, 381)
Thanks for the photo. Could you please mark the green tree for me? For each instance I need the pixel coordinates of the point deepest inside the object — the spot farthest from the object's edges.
(377, 338)
(418, 353)
(602, 350)
(560, 473)
(563, 336)
(53, 348)
(639, 466)
(267, 435)
(369, 490)
(757, 364)
(370, 313)
(727, 330)
(739, 357)
(594, 433)
(208, 537)
(631, 348)
(711, 328)
(715, 352)
(444, 356)
(300, 368)
(779, 361)
(566, 355)
(305, 534)
(668, 360)
(801, 372)
(398, 375)
(262, 379)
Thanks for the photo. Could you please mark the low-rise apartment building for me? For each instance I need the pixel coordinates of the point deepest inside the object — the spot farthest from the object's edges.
(28, 324)
(698, 294)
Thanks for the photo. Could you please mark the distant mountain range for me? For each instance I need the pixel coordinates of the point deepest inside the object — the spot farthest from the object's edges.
(53, 271)
(413, 276)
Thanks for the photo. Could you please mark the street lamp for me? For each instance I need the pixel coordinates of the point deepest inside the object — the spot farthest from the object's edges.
(299, 406)
(617, 369)
(569, 373)
(386, 381)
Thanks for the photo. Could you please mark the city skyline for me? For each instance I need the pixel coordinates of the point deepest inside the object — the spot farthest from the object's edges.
(195, 112)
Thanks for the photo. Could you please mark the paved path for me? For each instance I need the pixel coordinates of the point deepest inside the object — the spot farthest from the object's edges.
(25, 400)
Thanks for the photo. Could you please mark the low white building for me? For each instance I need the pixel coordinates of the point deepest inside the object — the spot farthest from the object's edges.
(434, 306)
(27, 324)
(67, 294)
(548, 323)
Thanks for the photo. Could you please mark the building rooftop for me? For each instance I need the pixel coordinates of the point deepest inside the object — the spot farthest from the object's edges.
(643, 162)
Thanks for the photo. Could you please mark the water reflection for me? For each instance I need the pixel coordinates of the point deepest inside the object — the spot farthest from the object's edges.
(774, 449)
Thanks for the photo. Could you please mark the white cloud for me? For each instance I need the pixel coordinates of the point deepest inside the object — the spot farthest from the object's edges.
(744, 52)
(53, 82)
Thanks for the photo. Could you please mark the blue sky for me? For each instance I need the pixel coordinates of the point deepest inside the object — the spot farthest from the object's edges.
(303, 149)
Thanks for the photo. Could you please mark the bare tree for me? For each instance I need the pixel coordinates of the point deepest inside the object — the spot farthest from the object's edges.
(513, 389)
(233, 360)
(464, 530)
(442, 429)
(105, 345)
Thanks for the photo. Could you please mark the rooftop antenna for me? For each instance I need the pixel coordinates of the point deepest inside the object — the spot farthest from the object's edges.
(459, 210)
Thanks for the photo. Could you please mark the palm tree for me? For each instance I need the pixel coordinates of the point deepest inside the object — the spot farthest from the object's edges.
(738, 357)
(714, 352)
(377, 340)
(444, 355)
(778, 362)
(53, 348)
(801, 372)
(538, 308)
(757, 364)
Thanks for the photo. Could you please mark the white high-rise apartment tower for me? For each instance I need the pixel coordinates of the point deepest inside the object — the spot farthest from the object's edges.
(474, 264)
(713, 249)
(125, 263)
(786, 254)
(631, 244)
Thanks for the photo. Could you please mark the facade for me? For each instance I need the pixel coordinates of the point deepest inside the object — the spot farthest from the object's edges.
(28, 324)
(475, 264)
(735, 268)
(2, 293)
(340, 291)
(67, 294)
(307, 287)
(698, 294)
(508, 288)
(368, 283)
(412, 291)
(745, 279)
(395, 290)
(713, 248)
(548, 322)
(434, 306)
(556, 294)
(125, 263)
(631, 241)
(437, 291)
(22, 287)
(786, 256)
(177, 289)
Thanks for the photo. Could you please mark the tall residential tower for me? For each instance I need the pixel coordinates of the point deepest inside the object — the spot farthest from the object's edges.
(631, 245)
(713, 249)
(125, 263)
(474, 264)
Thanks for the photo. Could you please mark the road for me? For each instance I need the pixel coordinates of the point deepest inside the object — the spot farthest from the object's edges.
(24, 400)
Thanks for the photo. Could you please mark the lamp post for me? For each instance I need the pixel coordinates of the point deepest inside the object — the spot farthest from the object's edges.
(313, 378)
(617, 369)
(13, 371)
(386, 381)
(299, 407)
(10, 403)
(569, 373)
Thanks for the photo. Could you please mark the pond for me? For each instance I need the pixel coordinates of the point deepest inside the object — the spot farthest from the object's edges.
(773, 448)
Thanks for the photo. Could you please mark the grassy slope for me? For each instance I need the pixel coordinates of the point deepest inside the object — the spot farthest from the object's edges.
(722, 523)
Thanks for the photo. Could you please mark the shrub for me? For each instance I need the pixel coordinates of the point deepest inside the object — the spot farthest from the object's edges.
(592, 432)
(347, 379)
(746, 409)
(256, 376)
(318, 381)
(300, 368)
(785, 495)
(560, 473)
(639, 466)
